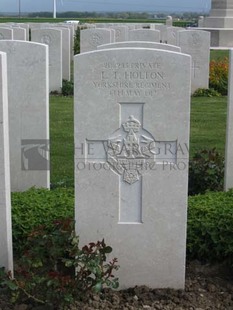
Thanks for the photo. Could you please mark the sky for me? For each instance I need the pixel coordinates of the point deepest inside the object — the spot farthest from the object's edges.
(106, 5)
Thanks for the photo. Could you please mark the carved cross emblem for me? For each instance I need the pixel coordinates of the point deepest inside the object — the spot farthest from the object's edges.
(129, 149)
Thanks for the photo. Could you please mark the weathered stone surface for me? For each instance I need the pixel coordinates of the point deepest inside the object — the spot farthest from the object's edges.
(132, 110)
(52, 38)
(148, 35)
(142, 44)
(91, 38)
(6, 33)
(6, 257)
(27, 69)
(197, 44)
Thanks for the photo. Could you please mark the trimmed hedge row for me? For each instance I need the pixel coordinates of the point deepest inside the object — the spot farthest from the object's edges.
(210, 227)
(38, 207)
(210, 220)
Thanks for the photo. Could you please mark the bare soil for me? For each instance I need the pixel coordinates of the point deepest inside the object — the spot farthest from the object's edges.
(207, 288)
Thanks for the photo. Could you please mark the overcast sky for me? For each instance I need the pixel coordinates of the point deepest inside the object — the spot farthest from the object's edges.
(105, 5)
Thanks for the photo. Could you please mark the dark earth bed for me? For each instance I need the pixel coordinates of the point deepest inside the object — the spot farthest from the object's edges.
(207, 287)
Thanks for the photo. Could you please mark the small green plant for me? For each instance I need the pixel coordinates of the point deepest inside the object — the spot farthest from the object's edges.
(206, 92)
(67, 88)
(218, 77)
(53, 270)
(209, 230)
(77, 41)
(206, 172)
(37, 207)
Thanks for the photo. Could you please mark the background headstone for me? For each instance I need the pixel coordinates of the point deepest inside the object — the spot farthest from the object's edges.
(172, 35)
(91, 38)
(6, 33)
(27, 69)
(19, 33)
(169, 21)
(52, 38)
(130, 108)
(6, 256)
(148, 35)
(201, 21)
(197, 44)
(66, 63)
(163, 32)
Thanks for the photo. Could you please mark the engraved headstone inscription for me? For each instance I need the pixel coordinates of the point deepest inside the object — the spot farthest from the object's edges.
(6, 257)
(131, 159)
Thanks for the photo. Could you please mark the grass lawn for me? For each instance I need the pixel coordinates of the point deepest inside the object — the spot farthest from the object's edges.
(208, 123)
(62, 140)
(219, 54)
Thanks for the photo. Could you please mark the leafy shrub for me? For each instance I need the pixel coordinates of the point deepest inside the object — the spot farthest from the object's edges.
(77, 41)
(218, 78)
(38, 207)
(53, 270)
(67, 88)
(206, 172)
(206, 92)
(210, 223)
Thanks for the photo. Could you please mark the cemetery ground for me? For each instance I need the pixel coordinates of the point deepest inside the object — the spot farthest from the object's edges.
(208, 286)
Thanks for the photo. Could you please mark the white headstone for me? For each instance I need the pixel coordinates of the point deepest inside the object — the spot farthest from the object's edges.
(172, 34)
(52, 38)
(66, 63)
(6, 257)
(169, 21)
(6, 33)
(197, 44)
(228, 176)
(142, 44)
(91, 38)
(131, 159)
(72, 35)
(27, 67)
(148, 35)
(121, 33)
(26, 27)
(201, 21)
(19, 33)
(163, 32)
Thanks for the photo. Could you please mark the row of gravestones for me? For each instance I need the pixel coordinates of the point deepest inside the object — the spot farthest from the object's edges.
(131, 157)
(192, 42)
(132, 111)
(59, 38)
(24, 113)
